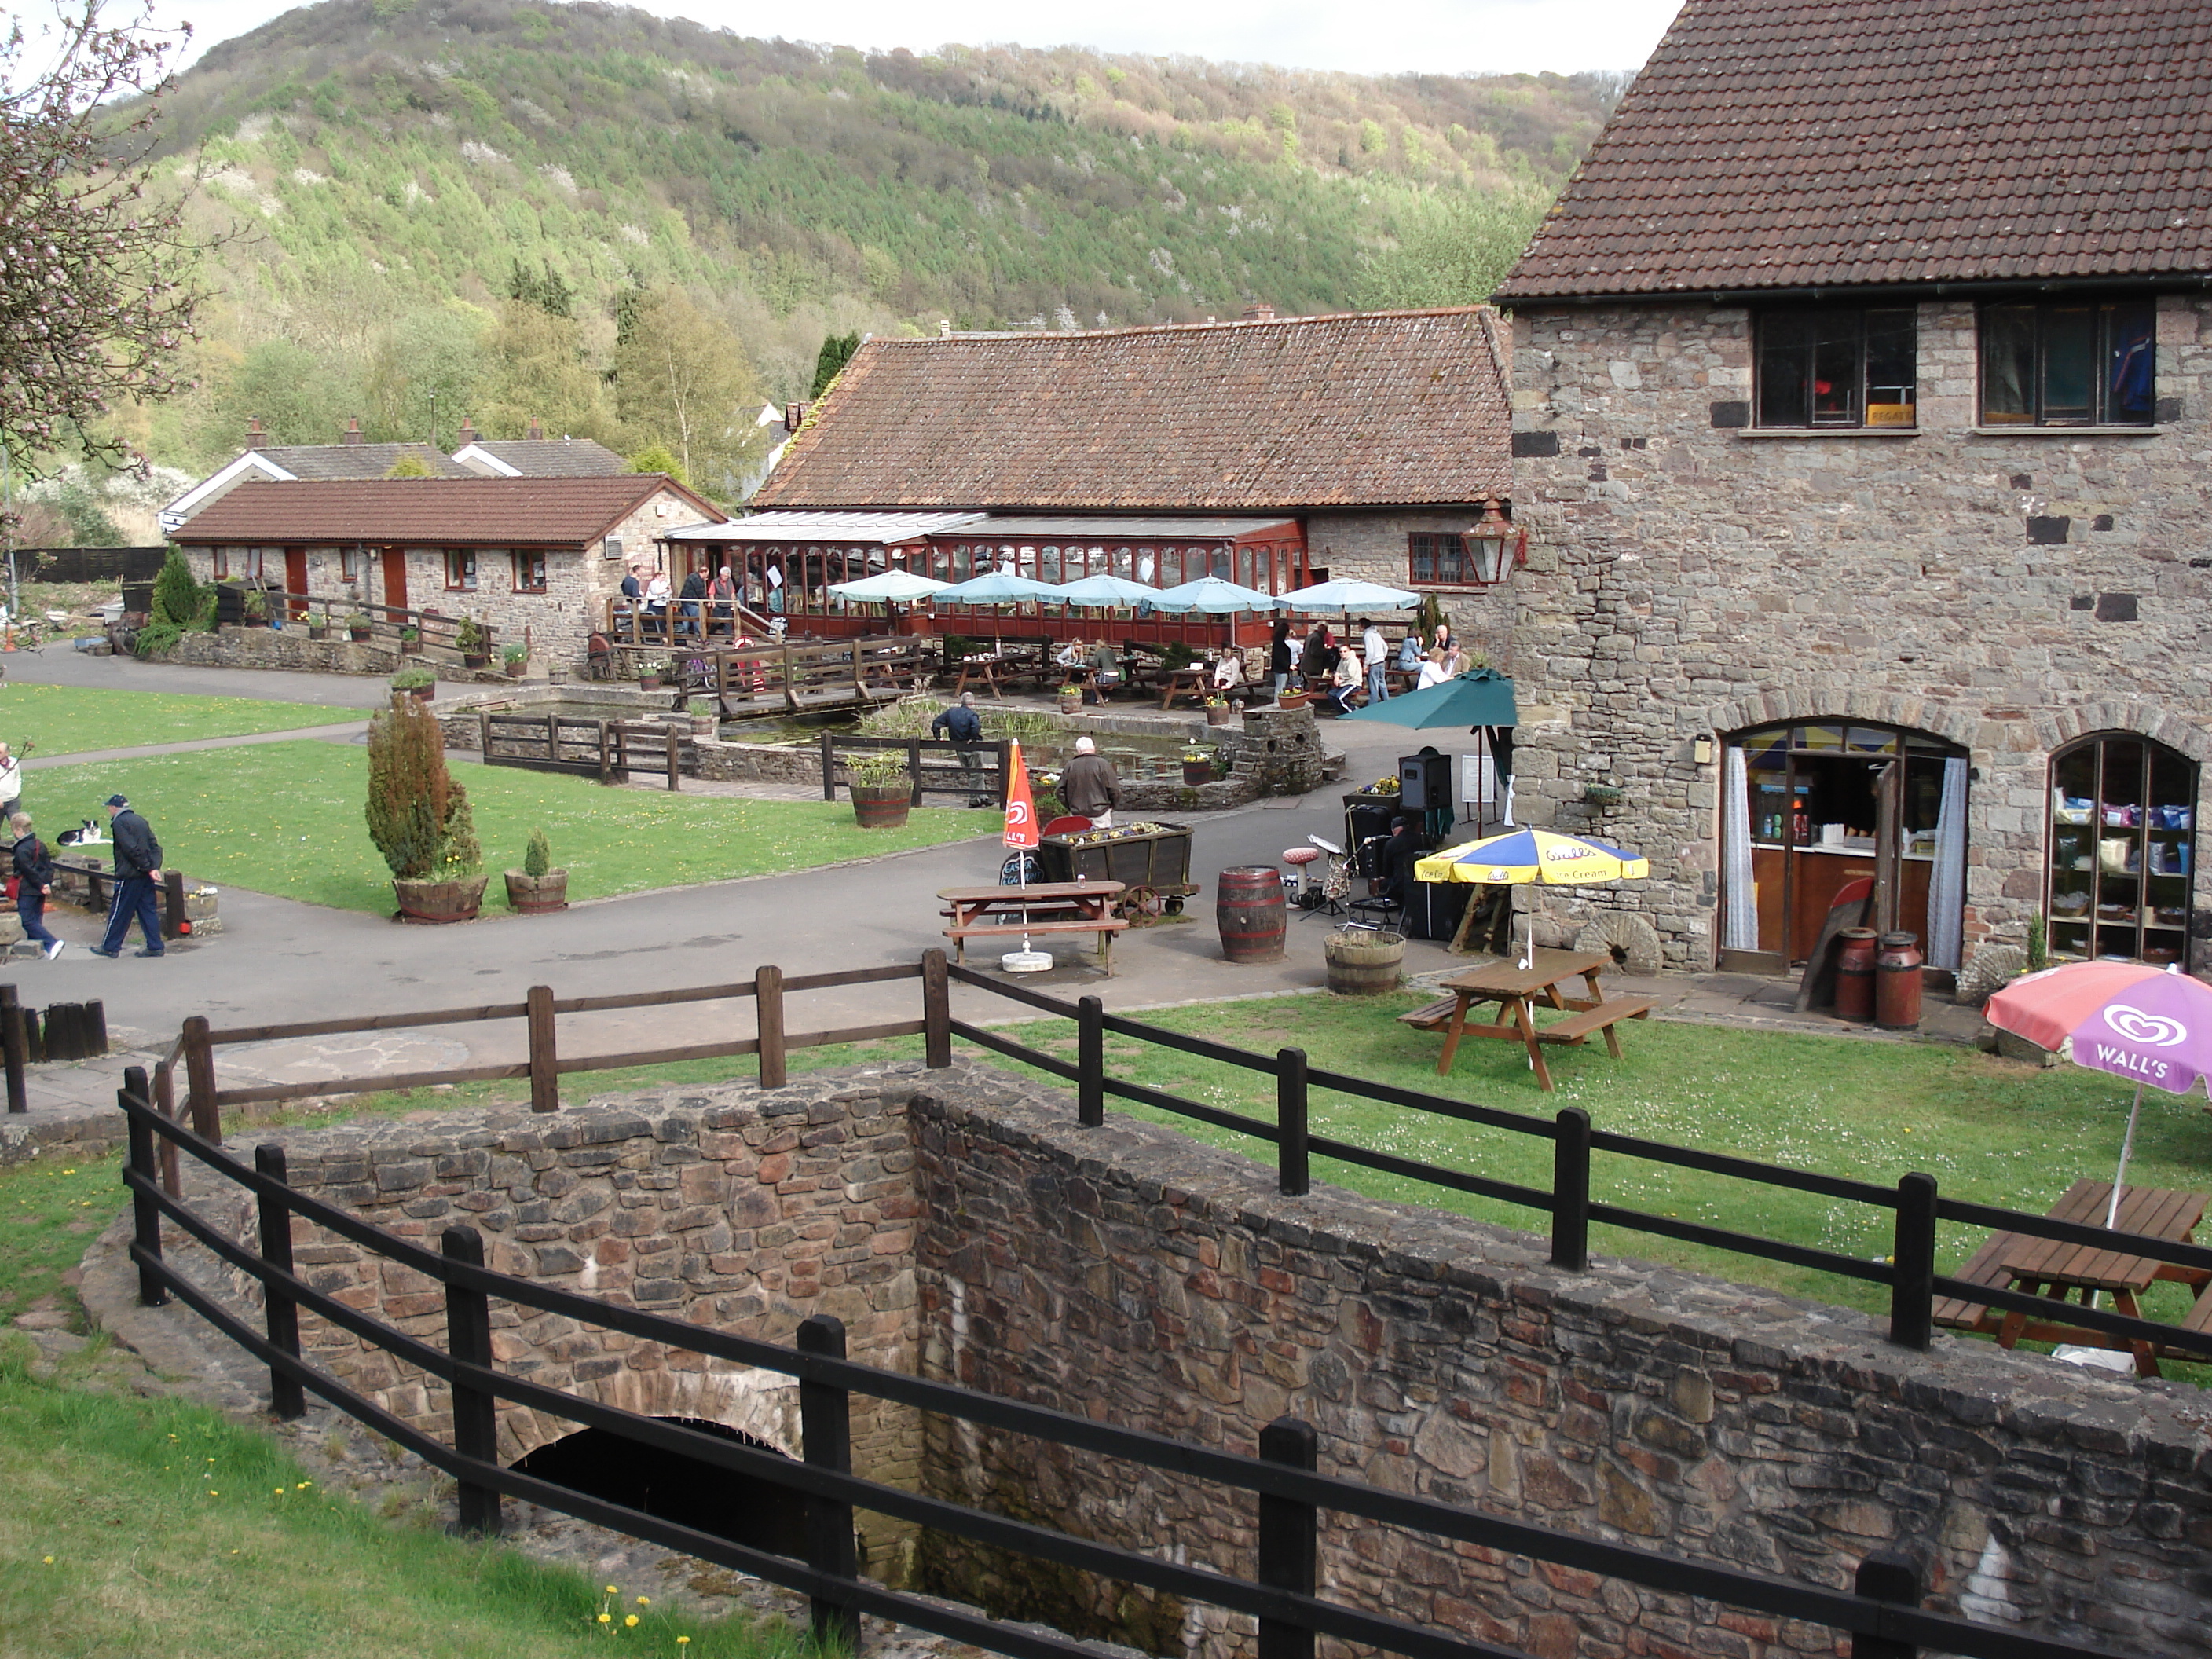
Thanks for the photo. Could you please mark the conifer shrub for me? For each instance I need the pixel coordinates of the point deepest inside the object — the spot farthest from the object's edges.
(418, 817)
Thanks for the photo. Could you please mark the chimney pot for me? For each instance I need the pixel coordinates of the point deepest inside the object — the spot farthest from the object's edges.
(1259, 311)
(468, 433)
(353, 432)
(536, 430)
(255, 436)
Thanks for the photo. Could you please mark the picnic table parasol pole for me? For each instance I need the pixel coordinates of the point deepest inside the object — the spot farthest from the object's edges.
(2127, 1146)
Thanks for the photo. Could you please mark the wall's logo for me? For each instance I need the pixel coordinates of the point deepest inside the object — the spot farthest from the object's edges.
(1498, 872)
(2153, 1030)
(1554, 854)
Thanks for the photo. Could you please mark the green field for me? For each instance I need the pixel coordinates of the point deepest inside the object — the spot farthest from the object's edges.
(287, 819)
(160, 1530)
(70, 719)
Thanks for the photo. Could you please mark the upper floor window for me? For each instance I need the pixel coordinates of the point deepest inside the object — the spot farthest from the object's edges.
(1837, 365)
(460, 572)
(2070, 362)
(1442, 560)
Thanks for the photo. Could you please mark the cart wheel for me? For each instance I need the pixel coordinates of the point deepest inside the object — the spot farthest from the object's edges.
(1175, 906)
(1138, 902)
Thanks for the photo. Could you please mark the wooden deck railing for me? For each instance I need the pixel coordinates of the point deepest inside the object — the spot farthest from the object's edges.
(386, 623)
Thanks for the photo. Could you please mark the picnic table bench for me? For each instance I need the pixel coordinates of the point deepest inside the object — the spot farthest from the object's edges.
(1192, 682)
(1515, 989)
(1051, 907)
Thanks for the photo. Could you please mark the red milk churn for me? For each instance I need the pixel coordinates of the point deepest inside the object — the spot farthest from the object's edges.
(1855, 974)
(1248, 907)
(1897, 983)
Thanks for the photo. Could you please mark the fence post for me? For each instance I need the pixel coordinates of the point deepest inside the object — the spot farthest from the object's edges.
(165, 1102)
(199, 1081)
(1289, 1538)
(936, 1011)
(829, 769)
(287, 1398)
(675, 762)
(913, 767)
(1090, 1062)
(545, 1060)
(468, 1339)
(768, 1020)
(172, 904)
(1887, 1575)
(1291, 1174)
(12, 1044)
(1571, 1153)
(606, 761)
(145, 1214)
(1005, 773)
(826, 1426)
(1912, 1291)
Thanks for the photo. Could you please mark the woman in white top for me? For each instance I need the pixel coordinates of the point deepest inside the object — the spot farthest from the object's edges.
(1229, 672)
(1432, 671)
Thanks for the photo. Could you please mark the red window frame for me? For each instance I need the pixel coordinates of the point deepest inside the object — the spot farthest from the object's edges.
(460, 570)
(1442, 551)
(529, 572)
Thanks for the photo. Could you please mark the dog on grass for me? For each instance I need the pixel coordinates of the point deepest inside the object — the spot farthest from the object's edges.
(87, 834)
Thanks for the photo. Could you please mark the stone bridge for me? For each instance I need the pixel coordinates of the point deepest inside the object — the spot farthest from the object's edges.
(964, 1225)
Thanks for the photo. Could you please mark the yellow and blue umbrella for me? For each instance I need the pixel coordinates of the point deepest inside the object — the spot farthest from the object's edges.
(1533, 855)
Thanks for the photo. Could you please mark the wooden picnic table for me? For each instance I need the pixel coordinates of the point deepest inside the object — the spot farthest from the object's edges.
(993, 674)
(1047, 907)
(1191, 682)
(2051, 1267)
(1516, 990)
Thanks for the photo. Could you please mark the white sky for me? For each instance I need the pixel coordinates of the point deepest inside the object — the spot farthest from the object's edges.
(1438, 36)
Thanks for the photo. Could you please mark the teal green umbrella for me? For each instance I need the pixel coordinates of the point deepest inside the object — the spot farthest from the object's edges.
(1481, 697)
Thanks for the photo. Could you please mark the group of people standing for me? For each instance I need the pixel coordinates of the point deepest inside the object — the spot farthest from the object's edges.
(1340, 668)
(136, 869)
(704, 605)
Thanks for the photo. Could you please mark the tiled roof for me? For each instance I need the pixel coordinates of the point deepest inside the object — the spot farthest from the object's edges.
(554, 458)
(305, 461)
(1790, 144)
(467, 511)
(1374, 409)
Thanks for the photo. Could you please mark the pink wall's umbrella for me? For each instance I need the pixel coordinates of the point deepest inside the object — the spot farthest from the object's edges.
(2149, 1024)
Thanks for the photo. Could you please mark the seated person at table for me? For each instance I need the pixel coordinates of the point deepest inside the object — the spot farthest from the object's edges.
(1432, 671)
(1347, 675)
(1229, 672)
(1070, 658)
(1105, 668)
(1089, 787)
(1409, 651)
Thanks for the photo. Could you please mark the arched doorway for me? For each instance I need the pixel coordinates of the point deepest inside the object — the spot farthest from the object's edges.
(2118, 857)
(1808, 807)
(740, 1507)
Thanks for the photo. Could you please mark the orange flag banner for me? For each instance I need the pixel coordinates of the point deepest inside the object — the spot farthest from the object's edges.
(1021, 806)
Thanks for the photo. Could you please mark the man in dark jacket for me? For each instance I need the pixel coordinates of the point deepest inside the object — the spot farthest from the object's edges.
(1089, 787)
(962, 723)
(694, 597)
(137, 873)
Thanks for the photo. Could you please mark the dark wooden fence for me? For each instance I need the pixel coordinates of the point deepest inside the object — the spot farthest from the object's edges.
(345, 617)
(937, 766)
(90, 564)
(610, 751)
(781, 678)
(1280, 1486)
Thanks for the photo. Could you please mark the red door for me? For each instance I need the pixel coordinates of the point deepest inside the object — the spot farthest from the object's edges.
(295, 582)
(395, 577)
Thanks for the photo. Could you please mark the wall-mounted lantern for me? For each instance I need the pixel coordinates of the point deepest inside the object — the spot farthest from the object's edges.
(1487, 542)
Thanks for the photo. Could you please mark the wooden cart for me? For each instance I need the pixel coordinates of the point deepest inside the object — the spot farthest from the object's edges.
(1152, 860)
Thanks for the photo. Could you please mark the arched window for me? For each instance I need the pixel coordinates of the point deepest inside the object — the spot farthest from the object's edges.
(2121, 848)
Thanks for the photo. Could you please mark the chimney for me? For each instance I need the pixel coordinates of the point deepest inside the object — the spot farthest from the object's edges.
(255, 437)
(536, 431)
(1259, 311)
(468, 433)
(353, 434)
(794, 417)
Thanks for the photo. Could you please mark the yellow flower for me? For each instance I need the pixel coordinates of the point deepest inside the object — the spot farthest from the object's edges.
(50, 1560)
(645, 1600)
(212, 1492)
(612, 1590)
(280, 1491)
(629, 1621)
(606, 1619)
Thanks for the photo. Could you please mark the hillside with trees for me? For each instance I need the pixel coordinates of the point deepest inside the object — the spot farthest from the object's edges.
(509, 211)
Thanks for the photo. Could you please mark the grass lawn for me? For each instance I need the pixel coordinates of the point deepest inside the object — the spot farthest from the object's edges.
(67, 720)
(286, 819)
(160, 1530)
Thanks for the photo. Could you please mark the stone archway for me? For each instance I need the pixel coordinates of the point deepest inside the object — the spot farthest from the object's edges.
(761, 1406)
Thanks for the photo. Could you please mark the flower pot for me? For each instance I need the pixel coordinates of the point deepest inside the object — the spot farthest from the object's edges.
(1220, 716)
(881, 806)
(1197, 772)
(1070, 701)
(538, 895)
(1362, 963)
(514, 670)
(317, 631)
(357, 634)
(431, 902)
(423, 693)
(1293, 699)
(476, 658)
(407, 648)
(648, 682)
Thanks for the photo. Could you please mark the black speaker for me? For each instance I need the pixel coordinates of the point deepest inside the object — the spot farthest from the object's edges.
(1425, 782)
(1366, 825)
(1435, 909)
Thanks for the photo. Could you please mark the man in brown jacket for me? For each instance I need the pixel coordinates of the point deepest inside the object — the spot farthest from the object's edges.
(1089, 787)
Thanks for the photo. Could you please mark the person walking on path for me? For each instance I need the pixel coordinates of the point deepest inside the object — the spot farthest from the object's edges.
(34, 883)
(137, 873)
(11, 782)
(1089, 787)
(1376, 650)
(962, 723)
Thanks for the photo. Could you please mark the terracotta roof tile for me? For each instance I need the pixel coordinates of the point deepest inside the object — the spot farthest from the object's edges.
(1371, 409)
(466, 512)
(1790, 144)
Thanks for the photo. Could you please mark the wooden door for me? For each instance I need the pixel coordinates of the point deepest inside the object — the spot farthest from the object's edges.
(395, 577)
(295, 582)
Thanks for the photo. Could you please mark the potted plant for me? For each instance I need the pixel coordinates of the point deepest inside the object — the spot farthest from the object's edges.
(417, 681)
(318, 626)
(516, 657)
(1603, 794)
(257, 605)
(1197, 767)
(357, 625)
(473, 641)
(537, 888)
(649, 673)
(1218, 711)
(419, 817)
(1071, 697)
(411, 641)
(882, 788)
(1293, 697)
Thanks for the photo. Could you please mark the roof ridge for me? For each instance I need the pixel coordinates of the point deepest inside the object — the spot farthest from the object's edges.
(1173, 328)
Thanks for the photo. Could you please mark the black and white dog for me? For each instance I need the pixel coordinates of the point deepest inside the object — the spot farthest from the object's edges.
(87, 834)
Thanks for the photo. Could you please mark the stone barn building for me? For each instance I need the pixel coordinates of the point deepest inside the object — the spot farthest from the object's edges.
(1270, 451)
(1861, 404)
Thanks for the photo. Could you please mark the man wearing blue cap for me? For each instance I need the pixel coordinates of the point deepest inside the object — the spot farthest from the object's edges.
(137, 873)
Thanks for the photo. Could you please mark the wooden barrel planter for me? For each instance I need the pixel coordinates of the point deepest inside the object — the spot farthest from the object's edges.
(433, 902)
(1247, 906)
(1362, 963)
(538, 895)
(881, 806)
(1197, 772)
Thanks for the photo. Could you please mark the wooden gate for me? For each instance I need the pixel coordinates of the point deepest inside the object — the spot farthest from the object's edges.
(610, 751)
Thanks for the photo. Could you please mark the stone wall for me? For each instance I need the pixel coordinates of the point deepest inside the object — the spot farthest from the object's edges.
(2008, 589)
(1126, 1275)
(721, 1207)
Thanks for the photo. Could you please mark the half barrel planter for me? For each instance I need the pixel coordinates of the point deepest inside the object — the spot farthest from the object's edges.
(1247, 906)
(434, 902)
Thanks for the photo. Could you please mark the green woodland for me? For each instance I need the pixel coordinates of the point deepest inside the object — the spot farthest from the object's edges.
(510, 211)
